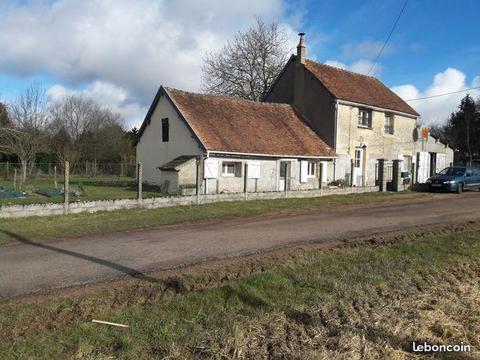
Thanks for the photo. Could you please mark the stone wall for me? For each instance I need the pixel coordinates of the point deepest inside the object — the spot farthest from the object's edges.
(52, 209)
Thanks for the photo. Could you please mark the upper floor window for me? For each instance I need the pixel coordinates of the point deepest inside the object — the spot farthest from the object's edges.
(165, 130)
(365, 118)
(389, 124)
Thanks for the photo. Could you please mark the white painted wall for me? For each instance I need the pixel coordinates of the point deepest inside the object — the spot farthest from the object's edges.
(268, 180)
(152, 152)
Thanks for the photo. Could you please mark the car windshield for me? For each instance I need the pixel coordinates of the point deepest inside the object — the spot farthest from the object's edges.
(454, 171)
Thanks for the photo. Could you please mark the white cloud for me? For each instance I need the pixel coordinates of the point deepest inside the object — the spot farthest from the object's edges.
(360, 66)
(107, 95)
(132, 45)
(437, 110)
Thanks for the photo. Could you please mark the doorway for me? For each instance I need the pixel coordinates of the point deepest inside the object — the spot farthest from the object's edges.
(282, 181)
(358, 167)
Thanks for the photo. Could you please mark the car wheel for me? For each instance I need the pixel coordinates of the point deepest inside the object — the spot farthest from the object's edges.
(460, 188)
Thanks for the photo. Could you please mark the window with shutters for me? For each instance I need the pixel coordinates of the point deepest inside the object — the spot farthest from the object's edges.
(229, 169)
(365, 118)
(311, 169)
(389, 124)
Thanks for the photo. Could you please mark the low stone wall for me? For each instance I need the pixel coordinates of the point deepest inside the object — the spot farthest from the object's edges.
(51, 209)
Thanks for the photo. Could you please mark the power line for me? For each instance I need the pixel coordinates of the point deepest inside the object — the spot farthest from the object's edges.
(388, 37)
(432, 96)
(449, 93)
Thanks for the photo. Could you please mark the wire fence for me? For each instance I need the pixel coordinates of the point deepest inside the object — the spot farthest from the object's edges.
(8, 170)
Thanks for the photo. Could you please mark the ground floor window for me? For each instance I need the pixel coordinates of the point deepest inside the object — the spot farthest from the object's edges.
(229, 169)
(311, 169)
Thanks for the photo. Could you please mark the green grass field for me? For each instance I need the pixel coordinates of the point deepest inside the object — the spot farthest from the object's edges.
(91, 188)
(75, 225)
(366, 302)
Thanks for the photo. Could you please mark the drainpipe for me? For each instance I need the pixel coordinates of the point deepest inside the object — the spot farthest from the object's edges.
(335, 140)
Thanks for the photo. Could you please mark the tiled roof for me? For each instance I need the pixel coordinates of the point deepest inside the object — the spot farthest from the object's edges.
(350, 86)
(175, 163)
(241, 126)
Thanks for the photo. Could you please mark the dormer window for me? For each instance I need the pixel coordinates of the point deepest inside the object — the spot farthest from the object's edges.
(365, 118)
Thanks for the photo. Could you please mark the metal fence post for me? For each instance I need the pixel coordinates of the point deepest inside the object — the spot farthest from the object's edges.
(382, 175)
(245, 181)
(352, 177)
(66, 187)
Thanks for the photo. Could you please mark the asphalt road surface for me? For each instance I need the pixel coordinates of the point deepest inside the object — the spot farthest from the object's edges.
(32, 267)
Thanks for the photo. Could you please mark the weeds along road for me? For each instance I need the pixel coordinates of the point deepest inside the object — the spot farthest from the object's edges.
(30, 267)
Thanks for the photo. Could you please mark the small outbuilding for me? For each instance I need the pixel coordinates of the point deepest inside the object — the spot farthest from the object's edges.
(194, 143)
(432, 156)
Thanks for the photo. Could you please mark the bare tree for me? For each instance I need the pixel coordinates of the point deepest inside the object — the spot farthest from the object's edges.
(248, 64)
(24, 136)
(102, 137)
(4, 118)
(71, 118)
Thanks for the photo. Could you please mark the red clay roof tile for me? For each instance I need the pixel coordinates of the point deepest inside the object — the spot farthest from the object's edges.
(350, 86)
(243, 126)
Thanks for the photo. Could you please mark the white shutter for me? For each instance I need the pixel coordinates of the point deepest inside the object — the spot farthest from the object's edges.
(324, 167)
(441, 162)
(210, 170)
(303, 171)
(253, 169)
(423, 166)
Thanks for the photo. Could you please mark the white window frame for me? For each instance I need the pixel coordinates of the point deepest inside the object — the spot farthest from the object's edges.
(357, 161)
(311, 169)
(225, 167)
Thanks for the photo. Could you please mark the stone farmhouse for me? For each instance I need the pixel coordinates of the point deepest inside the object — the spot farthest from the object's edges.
(192, 143)
(317, 124)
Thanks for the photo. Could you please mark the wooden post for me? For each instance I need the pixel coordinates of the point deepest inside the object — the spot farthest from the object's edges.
(66, 187)
(55, 176)
(49, 168)
(140, 182)
(15, 180)
(320, 175)
(8, 169)
(121, 169)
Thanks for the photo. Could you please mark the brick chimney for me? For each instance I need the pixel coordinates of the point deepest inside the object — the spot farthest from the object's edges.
(301, 49)
(299, 74)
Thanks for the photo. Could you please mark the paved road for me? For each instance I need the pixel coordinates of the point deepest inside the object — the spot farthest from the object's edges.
(30, 267)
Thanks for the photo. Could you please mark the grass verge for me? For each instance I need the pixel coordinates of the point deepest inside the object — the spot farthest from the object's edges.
(75, 225)
(366, 301)
(92, 188)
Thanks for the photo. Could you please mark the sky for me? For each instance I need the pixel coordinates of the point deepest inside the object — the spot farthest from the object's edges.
(118, 52)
